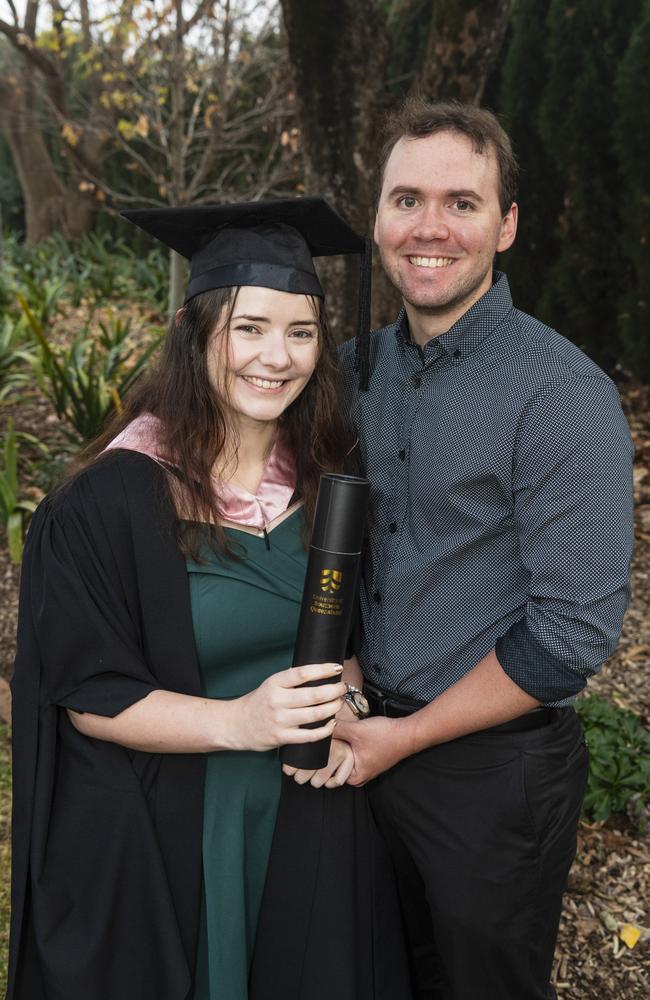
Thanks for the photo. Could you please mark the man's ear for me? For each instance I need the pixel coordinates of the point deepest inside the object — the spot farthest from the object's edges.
(508, 228)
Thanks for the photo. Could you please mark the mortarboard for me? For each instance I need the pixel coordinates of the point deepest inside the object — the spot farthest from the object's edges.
(266, 243)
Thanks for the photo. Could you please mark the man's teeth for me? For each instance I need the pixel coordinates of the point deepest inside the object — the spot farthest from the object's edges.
(431, 261)
(264, 383)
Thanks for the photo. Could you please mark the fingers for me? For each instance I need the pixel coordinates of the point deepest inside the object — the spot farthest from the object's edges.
(299, 735)
(342, 773)
(295, 676)
(301, 777)
(299, 697)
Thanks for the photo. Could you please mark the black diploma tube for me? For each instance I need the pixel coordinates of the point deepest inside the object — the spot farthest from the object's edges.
(330, 592)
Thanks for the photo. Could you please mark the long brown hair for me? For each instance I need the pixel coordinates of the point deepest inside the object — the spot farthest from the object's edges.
(196, 426)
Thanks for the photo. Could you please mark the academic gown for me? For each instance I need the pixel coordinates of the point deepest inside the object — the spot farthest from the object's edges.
(104, 620)
(107, 864)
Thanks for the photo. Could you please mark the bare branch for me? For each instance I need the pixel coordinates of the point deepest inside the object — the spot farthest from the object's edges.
(12, 8)
(204, 9)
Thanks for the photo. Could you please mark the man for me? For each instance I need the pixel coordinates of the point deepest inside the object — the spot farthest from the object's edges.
(496, 577)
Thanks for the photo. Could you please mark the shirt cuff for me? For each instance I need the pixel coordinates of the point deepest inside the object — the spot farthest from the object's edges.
(533, 668)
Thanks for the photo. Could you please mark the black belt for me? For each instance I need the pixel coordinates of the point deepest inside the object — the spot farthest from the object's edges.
(396, 706)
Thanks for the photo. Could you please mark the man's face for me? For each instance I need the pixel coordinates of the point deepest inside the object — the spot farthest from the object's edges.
(439, 224)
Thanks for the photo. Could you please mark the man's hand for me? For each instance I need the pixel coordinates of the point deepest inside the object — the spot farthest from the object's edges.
(377, 744)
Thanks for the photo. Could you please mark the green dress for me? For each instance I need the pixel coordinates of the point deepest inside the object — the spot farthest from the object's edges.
(245, 616)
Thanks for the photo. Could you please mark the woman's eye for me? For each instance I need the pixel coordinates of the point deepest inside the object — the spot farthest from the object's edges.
(304, 334)
(247, 328)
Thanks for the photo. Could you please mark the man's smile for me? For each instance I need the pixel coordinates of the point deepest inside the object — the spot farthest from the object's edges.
(431, 261)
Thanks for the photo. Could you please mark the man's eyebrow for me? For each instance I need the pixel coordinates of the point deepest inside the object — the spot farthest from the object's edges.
(465, 193)
(403, 189)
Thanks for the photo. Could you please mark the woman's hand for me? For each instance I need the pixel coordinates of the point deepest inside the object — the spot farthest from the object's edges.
(335, 773)
(272, 714)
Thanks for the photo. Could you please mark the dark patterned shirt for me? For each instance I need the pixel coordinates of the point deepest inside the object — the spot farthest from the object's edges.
(501, 505)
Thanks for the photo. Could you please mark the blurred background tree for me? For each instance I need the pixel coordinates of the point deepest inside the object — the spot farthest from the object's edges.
(170, 102)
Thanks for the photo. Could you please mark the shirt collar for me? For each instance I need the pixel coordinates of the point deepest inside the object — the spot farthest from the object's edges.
(468, 332)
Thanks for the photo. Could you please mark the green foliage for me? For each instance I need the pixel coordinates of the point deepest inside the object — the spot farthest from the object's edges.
(87, 380)
(632, 143)
(619, 749)
(525, 71)
(13, 506)
(586, 42)
(13, 356)
(574, 92)
(85, 272)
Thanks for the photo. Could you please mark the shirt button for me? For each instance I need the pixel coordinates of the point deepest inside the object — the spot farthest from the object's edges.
(377, 597)
(392, 527)
(376, 668)
(456, 354)
(417, 381)
(402, 454)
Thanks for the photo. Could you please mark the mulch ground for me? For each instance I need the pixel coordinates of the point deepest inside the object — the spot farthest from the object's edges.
(609, 884)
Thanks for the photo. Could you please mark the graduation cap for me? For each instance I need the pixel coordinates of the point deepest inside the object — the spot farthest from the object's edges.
(266, 243)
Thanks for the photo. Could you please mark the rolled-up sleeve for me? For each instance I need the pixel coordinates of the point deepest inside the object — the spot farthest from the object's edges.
(572, 486)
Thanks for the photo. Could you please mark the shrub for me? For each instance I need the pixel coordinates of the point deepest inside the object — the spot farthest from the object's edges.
(87, 379)
(13, 506)
(13, 356)
(619, 749)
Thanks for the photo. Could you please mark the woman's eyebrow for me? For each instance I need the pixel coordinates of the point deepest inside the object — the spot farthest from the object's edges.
(265, 319)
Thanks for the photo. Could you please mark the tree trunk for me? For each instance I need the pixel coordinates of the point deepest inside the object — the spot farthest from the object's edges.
(465, 38)
(45, 209)
(339, 53)
(50, 206)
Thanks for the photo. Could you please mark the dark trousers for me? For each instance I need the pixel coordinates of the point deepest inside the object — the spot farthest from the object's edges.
(482, 833)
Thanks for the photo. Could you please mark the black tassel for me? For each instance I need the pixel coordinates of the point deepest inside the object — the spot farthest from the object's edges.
(362, 347)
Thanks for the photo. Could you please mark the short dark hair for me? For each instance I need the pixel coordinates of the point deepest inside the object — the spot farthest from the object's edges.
(417, 118)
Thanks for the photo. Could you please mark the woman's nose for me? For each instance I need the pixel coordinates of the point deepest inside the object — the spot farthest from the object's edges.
(274, 352)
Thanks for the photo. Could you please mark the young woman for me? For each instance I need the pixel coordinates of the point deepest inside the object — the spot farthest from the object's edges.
(158, 852)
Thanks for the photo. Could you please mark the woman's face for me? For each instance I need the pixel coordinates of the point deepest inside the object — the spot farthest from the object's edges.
(265, 358)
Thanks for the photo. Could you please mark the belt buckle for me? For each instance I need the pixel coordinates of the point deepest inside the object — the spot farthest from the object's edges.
(377, 697)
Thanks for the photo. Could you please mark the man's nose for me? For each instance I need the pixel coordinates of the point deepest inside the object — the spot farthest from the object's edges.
(431, 224)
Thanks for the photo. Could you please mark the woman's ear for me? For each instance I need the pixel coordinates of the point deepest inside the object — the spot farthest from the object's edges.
(178, 314)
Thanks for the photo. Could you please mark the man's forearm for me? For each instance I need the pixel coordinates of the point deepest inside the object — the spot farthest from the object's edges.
(485, 697)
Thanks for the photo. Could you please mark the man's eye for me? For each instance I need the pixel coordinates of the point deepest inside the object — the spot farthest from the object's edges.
(407, 201)
(463, 206)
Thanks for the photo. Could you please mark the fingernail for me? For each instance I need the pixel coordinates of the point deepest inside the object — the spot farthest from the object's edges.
(338, 667)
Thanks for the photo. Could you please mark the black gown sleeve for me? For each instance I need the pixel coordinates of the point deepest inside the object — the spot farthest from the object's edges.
(85, 615)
